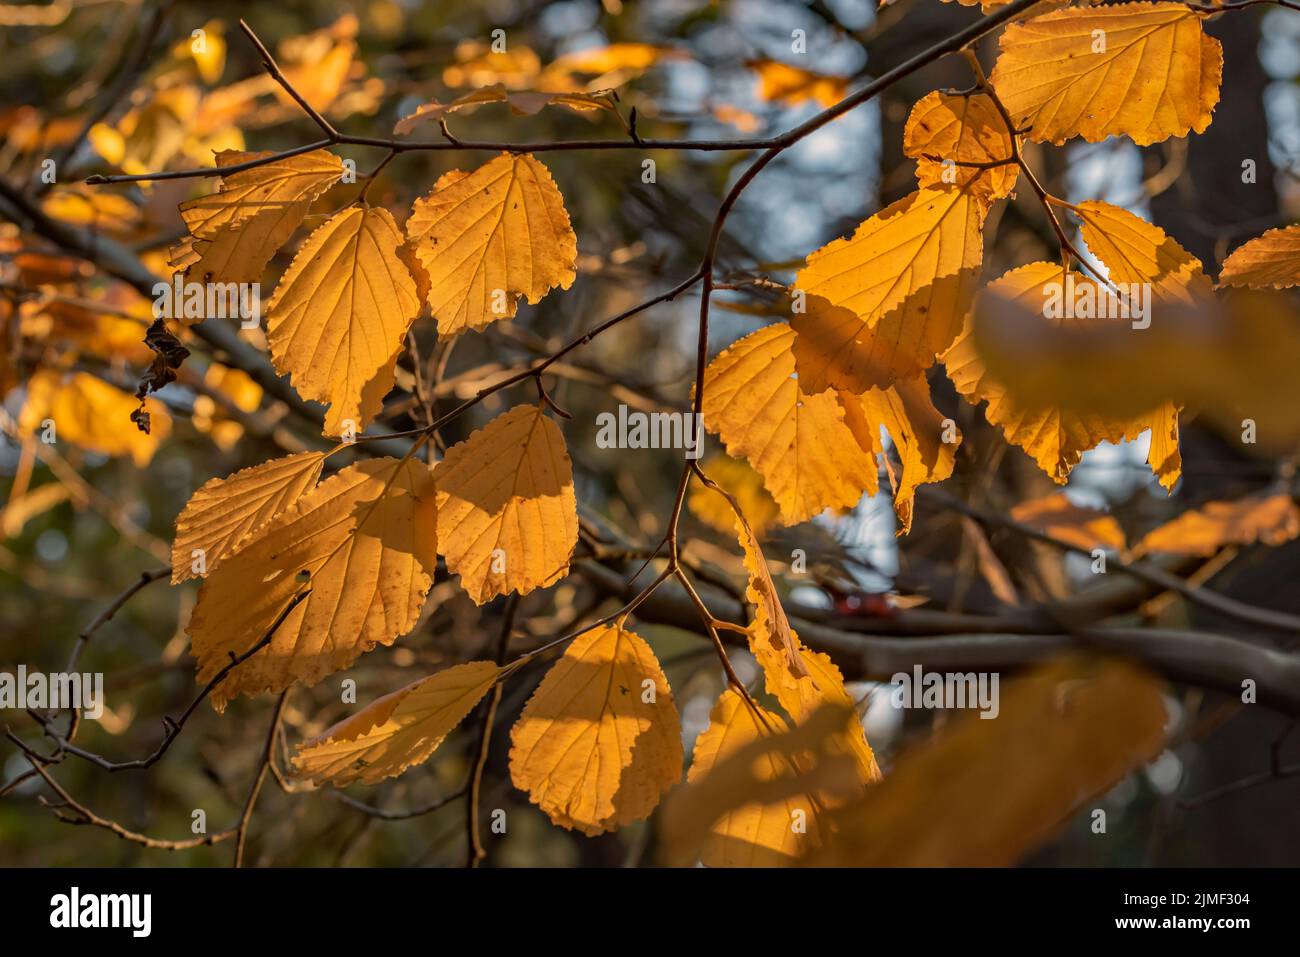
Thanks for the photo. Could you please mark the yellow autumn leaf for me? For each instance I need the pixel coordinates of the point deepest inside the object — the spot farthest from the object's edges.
(1054, 437)
(607, 66)
(752, 835)
(1269, 519)
(1268, 261)
(791, 85)
(800, 444)
(507, 514)
(904, 280)
(235, 232)
(947, 129)
(819, 451)
(713, 813)
(339, 316)
(770, 626)
(801, 695)
(521, 103)
(1136, 251)
(490, 236)
(599, 742)
(1058, 516)
(87, 412)
(363, 541)
(281, 188)
(738, 479)
(1143, 70)
(224, 510)
(986, 793)
(925, 441)
(397, 731)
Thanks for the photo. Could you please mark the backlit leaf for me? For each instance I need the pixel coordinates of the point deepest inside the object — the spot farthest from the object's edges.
(224, 510)
(339, 316)
(1143, 70)
(363, 541)
(507, 515)
(960, 129)
(490, 236)
(1271, 260)
(599, 742)
(397, 731)
(1269, 519)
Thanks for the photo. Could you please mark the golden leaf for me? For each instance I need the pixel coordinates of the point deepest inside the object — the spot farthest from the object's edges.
(235, 232)
(985, 793)
(738, 478)
(907, 277)
(490, 236)
(770, 623)
(1271, 260)
(752, 835)
(224, 510)
(507, 515)
(397, 731)
(1270, 519)
(521, 103)
(599, 742)
(1145, 70)
(791, 86)
(955, 128)
(1061, 518)
(339, 316)
(93, 415)
(800, 444)
(1055, 437)
(363, 541)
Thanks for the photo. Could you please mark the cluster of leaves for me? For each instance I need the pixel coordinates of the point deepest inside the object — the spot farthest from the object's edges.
(322, 569)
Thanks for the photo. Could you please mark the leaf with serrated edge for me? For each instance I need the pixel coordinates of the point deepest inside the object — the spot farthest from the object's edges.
(903, 281)
(1268, 261)
(1055, 438)
(753, 835)
(397, 731)
(366, 541)
(490, 236)
(340, 314)
(589, 748)
(1157, 75)
(960, 129)
(224, 510)
(507, 514)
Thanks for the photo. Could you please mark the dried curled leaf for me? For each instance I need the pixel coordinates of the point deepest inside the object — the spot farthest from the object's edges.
(599, 742)
(339, 316)
(1268, 261)
(770, 621)
(521, 103)
(490, 236)
(363, 541)
(1143, 70)
(755, 834)
(397, 731)
(1269, 519)
(903, 282)
(945, 130)
(507, 515)
(224, 510)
